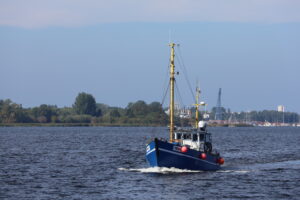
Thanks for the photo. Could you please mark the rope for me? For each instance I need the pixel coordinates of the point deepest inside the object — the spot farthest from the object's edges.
(166, 80)
(181, 64)
(179, 95)
(165, 94)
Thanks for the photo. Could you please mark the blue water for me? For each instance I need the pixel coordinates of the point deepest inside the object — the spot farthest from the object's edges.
(109, 163)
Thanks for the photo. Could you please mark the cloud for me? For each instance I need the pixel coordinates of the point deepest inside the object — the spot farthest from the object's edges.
(44, 13)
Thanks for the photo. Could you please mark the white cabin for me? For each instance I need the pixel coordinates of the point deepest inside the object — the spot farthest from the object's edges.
(195, 139)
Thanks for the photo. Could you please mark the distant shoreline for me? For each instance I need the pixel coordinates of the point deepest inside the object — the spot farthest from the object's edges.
(111, 125)
(101, 125)
(75, 125)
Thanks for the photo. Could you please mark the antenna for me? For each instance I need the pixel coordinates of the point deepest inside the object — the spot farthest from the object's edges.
(198, 85)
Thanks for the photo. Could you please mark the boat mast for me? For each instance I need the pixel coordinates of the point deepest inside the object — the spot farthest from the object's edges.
(197, 106)
(172, 83)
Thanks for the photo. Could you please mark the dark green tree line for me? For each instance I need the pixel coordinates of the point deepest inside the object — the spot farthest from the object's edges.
(86, 110)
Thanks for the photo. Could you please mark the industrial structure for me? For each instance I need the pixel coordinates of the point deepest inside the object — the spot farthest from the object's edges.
(219, 114)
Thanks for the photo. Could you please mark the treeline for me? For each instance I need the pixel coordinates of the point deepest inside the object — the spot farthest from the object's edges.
(271, 116)
(85, 110)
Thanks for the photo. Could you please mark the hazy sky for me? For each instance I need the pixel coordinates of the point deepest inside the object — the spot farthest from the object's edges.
(117, 51)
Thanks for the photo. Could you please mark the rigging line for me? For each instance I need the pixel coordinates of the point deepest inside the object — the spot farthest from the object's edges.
(165, 94)
(181, 64)
(180, 100)
(187, 80)
(166, 82)
(179, 95)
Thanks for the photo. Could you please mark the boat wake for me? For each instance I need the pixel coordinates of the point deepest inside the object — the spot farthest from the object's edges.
(234, 171)
(160, 170)
(267, 166)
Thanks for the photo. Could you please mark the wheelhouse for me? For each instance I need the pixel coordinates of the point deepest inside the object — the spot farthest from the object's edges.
(198, 140)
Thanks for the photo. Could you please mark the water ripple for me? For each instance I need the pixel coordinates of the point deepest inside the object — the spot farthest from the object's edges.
(109, 163)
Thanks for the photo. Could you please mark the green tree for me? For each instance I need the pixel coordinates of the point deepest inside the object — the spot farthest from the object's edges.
(44, 113)
(85, 104)
(139, 108)
(78, 119)
(103, 108)
(11, 112)
(114, 113)
(155, 107)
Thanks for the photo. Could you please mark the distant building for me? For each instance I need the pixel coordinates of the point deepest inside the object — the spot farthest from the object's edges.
(180, 112)
(185, 113)
(205, 116)
(280, 108)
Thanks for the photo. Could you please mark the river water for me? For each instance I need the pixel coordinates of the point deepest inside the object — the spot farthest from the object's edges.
(109, 163)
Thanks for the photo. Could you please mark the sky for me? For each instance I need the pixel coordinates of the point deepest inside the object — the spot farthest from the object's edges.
(118, 51)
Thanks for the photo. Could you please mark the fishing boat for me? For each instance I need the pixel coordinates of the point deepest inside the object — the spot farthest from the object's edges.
(186, 148)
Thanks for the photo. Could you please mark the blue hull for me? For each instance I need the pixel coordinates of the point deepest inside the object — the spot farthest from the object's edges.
(164, 154)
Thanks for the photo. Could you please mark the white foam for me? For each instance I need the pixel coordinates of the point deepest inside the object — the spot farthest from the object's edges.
(160, 170)
(233, 171)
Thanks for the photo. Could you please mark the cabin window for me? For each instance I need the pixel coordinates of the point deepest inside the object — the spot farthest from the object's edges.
(195, 137)
(178, 136)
